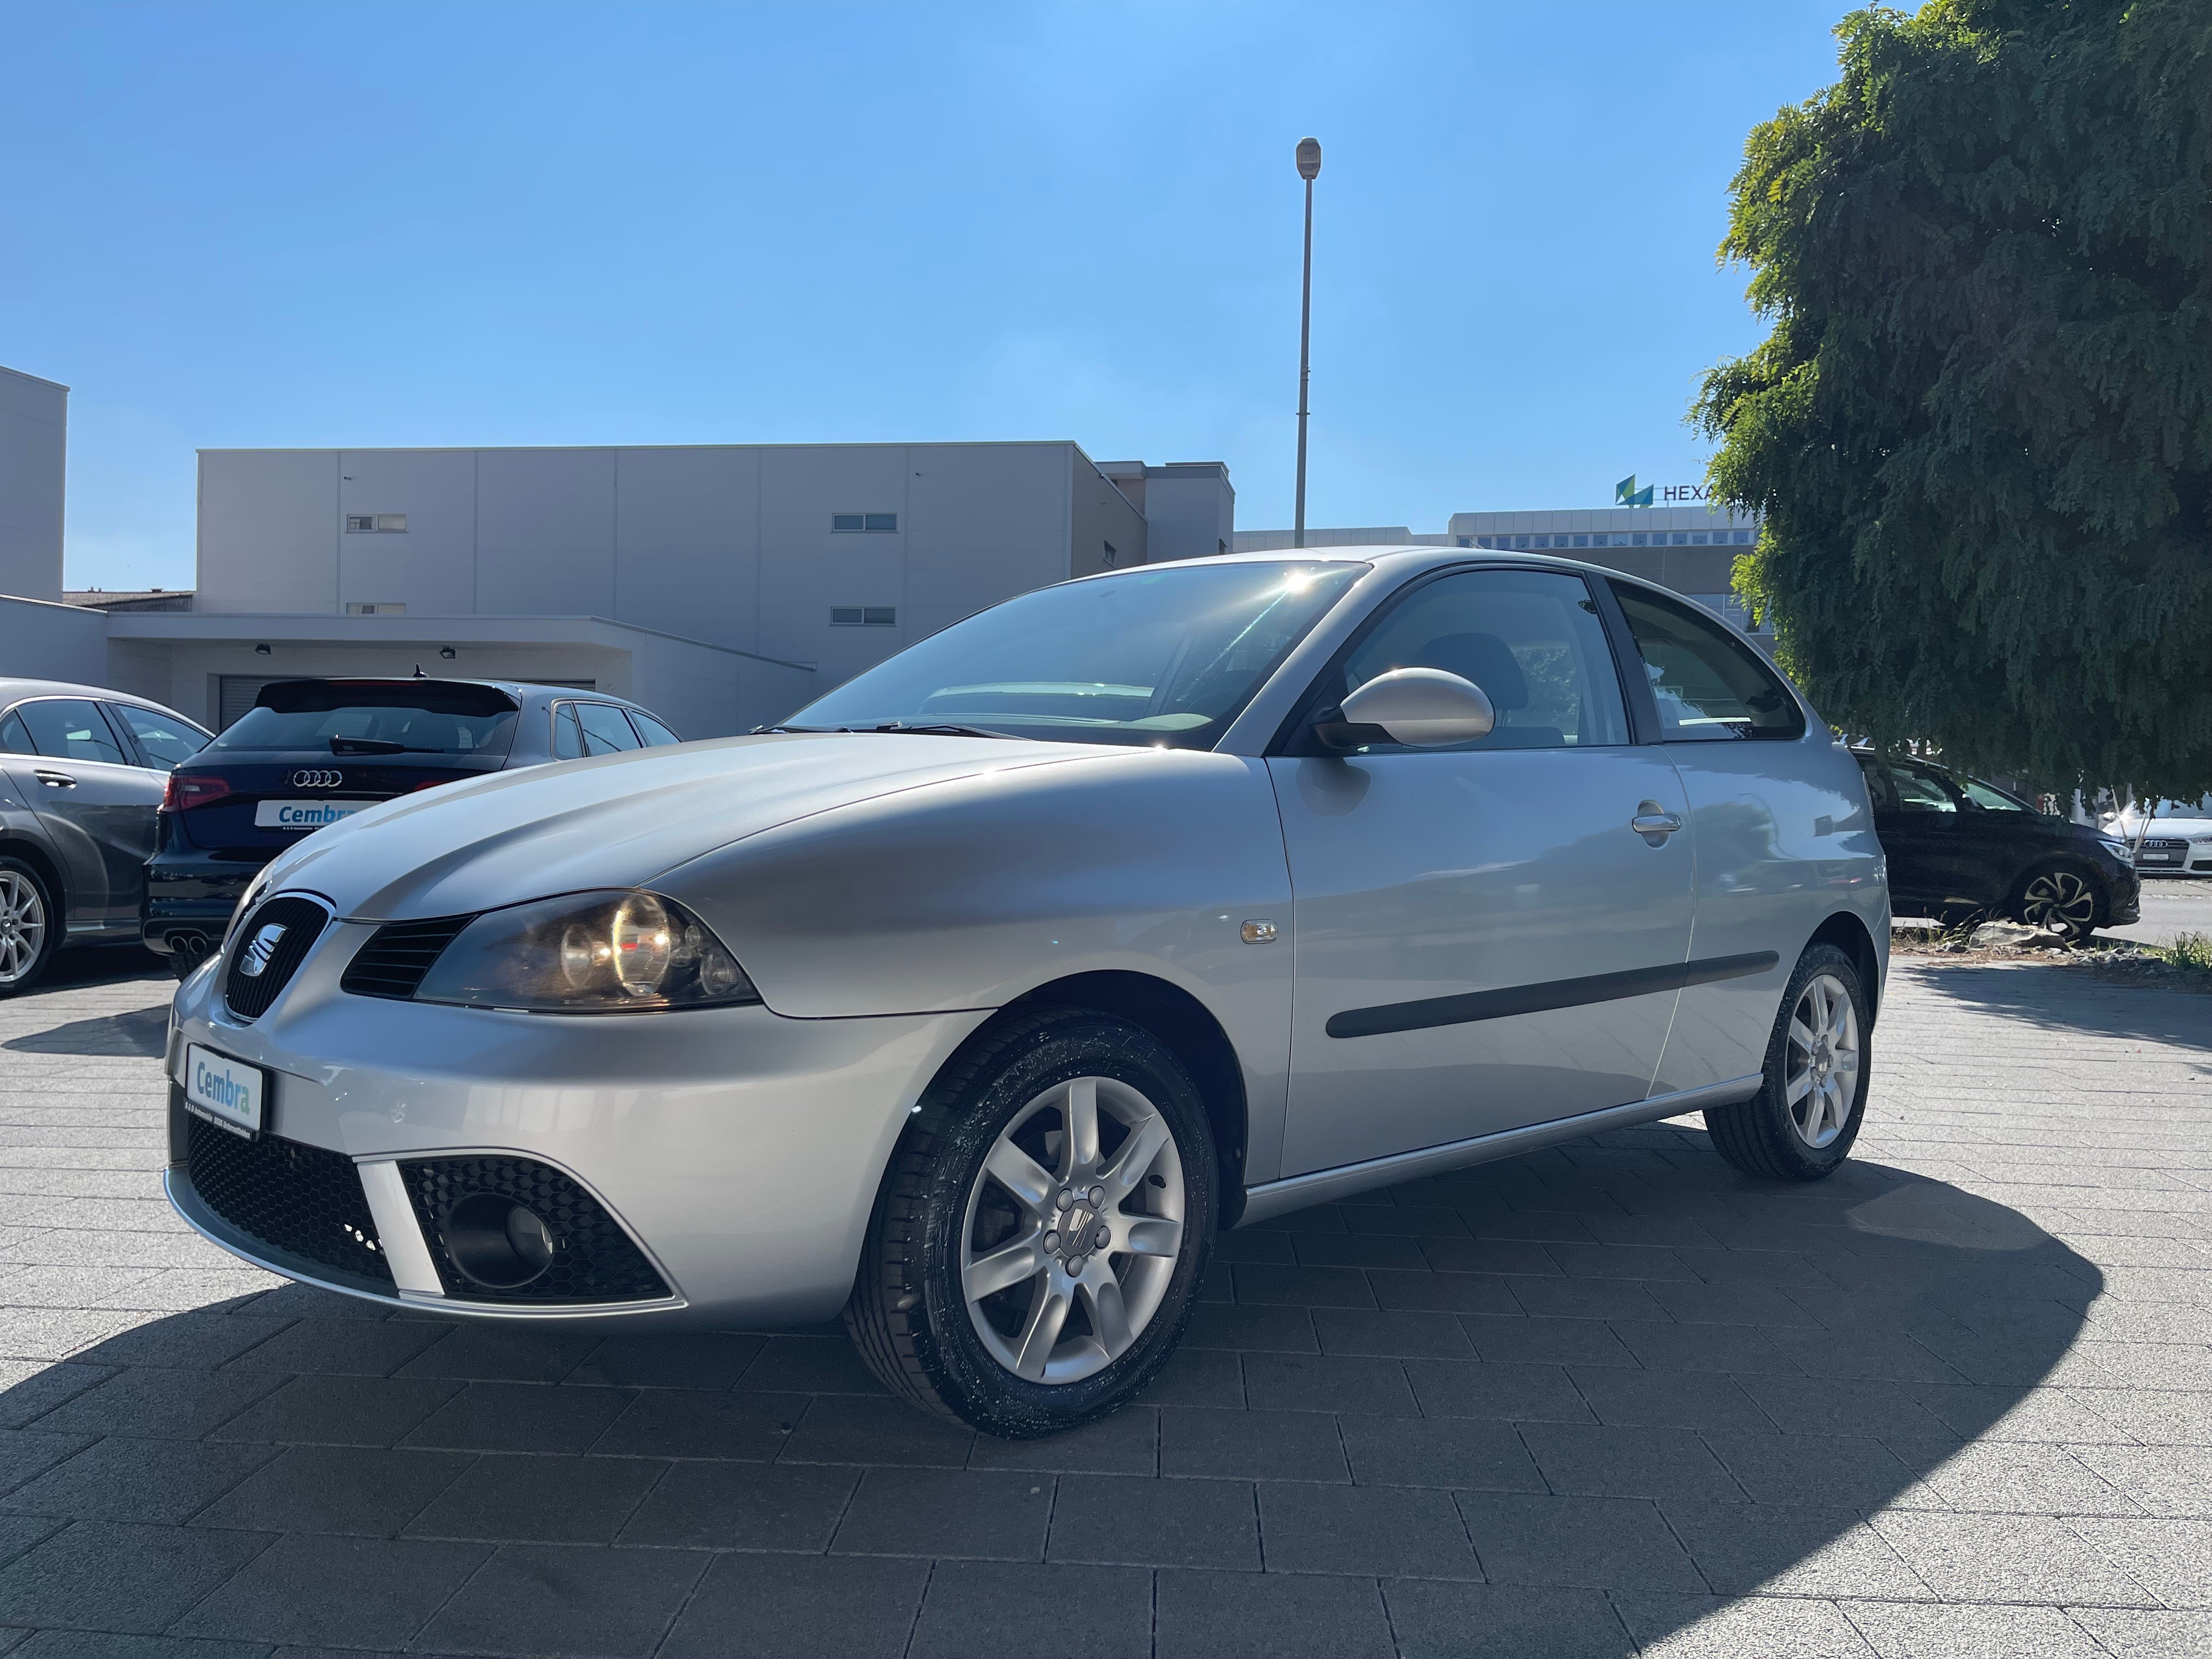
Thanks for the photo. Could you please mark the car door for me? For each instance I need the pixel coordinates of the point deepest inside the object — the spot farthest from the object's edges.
(1483, 940)
(96, 804)
(1941, 870)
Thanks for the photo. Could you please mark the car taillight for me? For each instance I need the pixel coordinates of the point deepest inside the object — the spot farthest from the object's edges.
(189, 789)
(435, 783)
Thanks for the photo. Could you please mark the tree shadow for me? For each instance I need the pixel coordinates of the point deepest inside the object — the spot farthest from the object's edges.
(2079, 1001)
(1624, 1385)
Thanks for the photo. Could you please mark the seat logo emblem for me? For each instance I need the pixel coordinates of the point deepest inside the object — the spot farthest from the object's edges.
(264, 946)
(311, 779)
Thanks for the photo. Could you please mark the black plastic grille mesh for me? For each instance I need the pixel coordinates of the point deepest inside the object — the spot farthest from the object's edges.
(250, 994)
(593, 1259)
(398, 955)
(299, 1200)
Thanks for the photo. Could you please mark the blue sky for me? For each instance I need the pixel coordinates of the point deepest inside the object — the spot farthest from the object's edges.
(500, 223)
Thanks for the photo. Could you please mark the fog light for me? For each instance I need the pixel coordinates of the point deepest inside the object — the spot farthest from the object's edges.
(495, 1242)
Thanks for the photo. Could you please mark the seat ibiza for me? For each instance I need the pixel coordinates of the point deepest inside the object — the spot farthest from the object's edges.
(978, 997)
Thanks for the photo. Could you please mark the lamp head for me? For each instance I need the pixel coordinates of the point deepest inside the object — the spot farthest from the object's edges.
(1308, 159)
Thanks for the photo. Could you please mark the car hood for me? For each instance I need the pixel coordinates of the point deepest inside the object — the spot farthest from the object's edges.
(619, 820)
(2166, 830)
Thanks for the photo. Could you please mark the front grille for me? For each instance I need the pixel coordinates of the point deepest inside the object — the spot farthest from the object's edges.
(300, 1200)
(2166, 846)
(301, 922)
(398, 955)
(593, 1259)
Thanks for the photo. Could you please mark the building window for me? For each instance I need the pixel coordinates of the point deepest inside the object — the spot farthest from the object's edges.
(1519, 542)
(879, 524)
(380, 608)
(1637, 540)
(1583, 541)
(863, 615)
(1111, 555)
(1743, 539)
(374, 523)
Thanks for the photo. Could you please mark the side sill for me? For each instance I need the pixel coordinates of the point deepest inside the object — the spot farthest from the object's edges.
(1323, 1185)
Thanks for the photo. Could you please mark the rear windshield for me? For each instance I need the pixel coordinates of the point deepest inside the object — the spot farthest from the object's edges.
(400, 718)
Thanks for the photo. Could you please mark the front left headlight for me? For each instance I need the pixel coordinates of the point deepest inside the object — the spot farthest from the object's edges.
(2120, 849)
(588, 953)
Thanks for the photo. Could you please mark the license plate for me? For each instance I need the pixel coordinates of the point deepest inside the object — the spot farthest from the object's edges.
(2160, 858)
(228, 1091)
(305, 814)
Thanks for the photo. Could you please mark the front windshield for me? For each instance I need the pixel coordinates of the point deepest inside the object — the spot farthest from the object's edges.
(1166, 658)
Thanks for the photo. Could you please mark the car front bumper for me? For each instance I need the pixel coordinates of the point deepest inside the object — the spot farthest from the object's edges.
(739, 1151)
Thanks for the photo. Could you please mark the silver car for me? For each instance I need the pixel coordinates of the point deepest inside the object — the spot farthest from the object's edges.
(978, 998)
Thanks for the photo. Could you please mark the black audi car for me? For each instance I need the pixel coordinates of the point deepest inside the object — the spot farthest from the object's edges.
(1961, 850)
(310, 753)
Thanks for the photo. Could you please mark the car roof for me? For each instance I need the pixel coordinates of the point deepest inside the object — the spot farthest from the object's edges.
(1404, 560)
(15, 690)
(518, 689)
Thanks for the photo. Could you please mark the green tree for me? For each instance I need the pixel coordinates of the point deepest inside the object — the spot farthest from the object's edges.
(1980, 431)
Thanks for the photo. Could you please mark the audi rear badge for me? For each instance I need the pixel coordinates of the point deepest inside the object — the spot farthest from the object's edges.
(310, 779)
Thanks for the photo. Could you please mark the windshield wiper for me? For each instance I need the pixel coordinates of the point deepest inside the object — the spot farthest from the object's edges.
(376, 746)
(927, 729)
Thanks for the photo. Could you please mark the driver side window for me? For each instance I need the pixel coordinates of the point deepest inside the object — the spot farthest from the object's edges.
(1530, 639)
(1921, 792)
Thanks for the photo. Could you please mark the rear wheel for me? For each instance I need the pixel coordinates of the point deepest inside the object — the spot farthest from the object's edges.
(1801, 1124)
(1042, 1229)
(30, 930)
(2058, 900)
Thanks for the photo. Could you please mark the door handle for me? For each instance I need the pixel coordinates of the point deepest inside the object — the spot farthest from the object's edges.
(56, 779)
(1652, 822)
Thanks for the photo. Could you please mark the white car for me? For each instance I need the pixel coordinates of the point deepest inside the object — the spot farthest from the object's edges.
(977, 998)
(2176, 840)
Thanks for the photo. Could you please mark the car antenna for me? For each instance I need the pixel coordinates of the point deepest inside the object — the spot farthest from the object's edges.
(419, 674)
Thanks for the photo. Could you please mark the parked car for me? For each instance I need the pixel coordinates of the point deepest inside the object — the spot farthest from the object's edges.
(81, 776)
(2176, 841)
(1961, 849)
(311, 752)
(976, 998)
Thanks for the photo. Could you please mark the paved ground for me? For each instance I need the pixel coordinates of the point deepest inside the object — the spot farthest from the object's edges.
(1607, 1399)
(2171, 905)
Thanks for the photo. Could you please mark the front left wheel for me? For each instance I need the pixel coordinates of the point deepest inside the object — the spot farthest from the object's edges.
(1043, 1227)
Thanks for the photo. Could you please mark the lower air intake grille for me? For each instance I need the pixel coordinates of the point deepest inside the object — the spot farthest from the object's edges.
(267, 950)
(300, 1200)
(593, 1259)
(398, 955)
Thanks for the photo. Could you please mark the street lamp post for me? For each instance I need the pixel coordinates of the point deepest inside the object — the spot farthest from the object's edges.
(1308, 169)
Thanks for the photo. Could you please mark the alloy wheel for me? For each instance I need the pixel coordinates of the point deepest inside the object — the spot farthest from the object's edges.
(23, 926)
(2059, 901)
(1072, 1230)
(1822, 1073)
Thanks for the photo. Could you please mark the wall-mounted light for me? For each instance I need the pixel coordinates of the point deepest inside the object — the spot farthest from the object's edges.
(260, 650)
(446, 652)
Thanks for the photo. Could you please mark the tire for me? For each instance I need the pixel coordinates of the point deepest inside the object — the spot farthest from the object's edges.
(30, 927)
(2060, 899)
(942, 1219)
(1768, 1135)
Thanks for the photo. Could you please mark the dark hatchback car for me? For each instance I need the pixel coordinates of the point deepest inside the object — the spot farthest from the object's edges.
(1961, 849)
(310, 753)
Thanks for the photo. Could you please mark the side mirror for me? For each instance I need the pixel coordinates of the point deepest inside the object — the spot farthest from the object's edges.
(1421, 707)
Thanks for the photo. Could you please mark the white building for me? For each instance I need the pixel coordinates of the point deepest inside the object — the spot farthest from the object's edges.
(722, 585)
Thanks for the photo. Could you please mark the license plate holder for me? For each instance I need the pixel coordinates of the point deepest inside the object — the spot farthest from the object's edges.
(227, 1092)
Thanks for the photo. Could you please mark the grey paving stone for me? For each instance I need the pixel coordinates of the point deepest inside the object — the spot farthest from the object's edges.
(374, 1491)
(1889, 1355)
(1896, 1632)
(811, 1364)
(1622, 1262)
(71, 1580)
(1615, 1463)
(106, 1644)
(159, 1403)
(1144, 1521)
(1585, 1299)
(1489, 1255)
(1729, 1304)
(2165, 1557)
(2009, 1557)
(1453, 1387)
(1681, 1399)
(837, 1430)
(1232, 1325)
(537, 1498)
(502, 1353)
(18, 1532)
(1827, 1406)
(316, 1589)
(192, 1341)
(1217, 1615)
(566, 1599)
(519, 1417)
(1303, 1288)
(1851, 1472)
(1253, 1244)
(1197, 1377)
(2011, 1478)
(1518, 1339)
(1324, 1383)
(703, 1360)
(1438, 1451)
(1365, 1531)
(772, 1607)
(989, 1515)
(1463, 1293)
(1792, 1550)
(1127, 1442)
(30, 1389)
(350, 1411)
(26, 1453)
(124, 1479)
(1710, 1627)
(1403, 1335)
(1671, 1346)
(1438, 1620)
(1250, 1445)
(1599, 1543)
(789, 1506)
(692, 1422)
(986, 1608)
(2167, 1480)
(1397, 1252)
(2129, 1634)
(358, 1348)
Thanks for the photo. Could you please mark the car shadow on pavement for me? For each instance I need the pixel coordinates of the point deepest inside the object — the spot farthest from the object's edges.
(141, 1033)
(1568, 1404)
